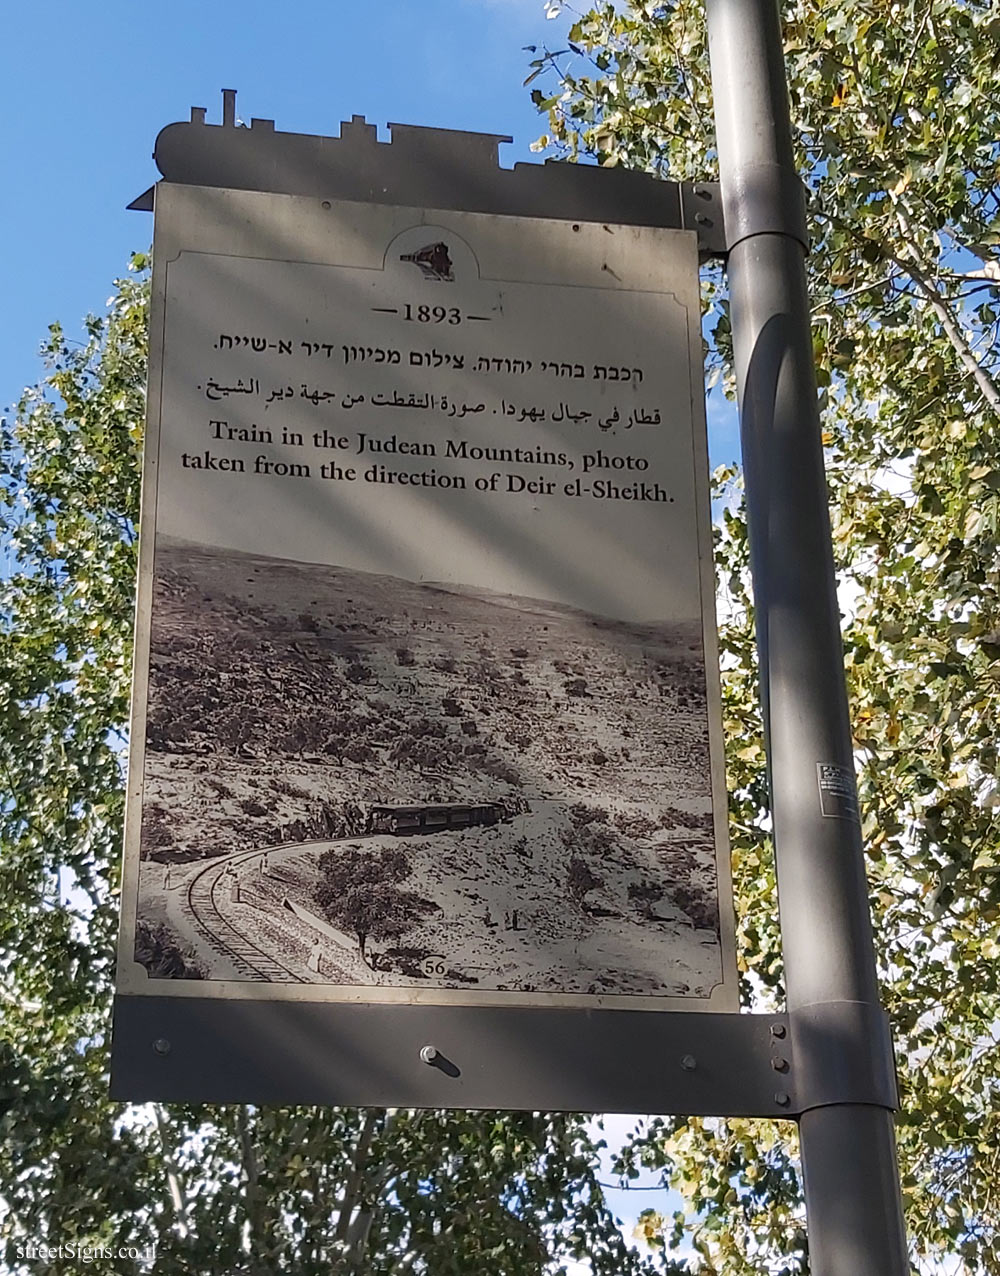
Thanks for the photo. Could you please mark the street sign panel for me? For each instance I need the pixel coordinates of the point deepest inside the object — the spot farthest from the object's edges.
(426, 708)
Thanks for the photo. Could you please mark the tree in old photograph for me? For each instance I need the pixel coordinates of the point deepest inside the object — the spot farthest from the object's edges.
(360, 891)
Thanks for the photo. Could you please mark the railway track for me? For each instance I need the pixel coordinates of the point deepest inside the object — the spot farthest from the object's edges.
(225, 936)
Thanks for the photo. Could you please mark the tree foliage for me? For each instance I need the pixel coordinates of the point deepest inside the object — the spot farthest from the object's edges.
(225, 1189)
(896, 120)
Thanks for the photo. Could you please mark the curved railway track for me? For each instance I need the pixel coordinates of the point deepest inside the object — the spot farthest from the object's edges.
(223, 935)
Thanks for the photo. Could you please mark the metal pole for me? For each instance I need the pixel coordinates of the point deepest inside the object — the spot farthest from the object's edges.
(854, 1211)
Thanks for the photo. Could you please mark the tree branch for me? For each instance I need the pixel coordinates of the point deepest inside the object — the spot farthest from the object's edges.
(261, 1241)
(251, 1167)
(909, 64)
(355, 1177)
(952, 329)
(174, 1185)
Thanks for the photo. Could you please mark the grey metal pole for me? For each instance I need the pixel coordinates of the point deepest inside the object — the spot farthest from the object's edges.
(841, 1048)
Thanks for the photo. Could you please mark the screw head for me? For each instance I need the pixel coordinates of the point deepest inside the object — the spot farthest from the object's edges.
(689, 1062)
(778, 1063)
(782, 1099)
(161, 1046)
(778, 1030)
(428, 1054)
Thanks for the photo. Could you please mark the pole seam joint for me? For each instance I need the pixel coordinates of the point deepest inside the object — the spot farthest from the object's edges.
(765, 198)
(842, 1054)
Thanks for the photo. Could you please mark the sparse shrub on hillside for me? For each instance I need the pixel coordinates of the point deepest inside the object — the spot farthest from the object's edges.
(164, 730)
(357, 672)
(405, 959)
(488, 677)
(451, 707)
(295, 831)
(219, 787)
(345, 724)
(285, 788)
(644, 895)
(581, 880)
(469, 727)
(420, 751)
(591, 839)
(498, 769)
(698, 903)
(637, 825)
(251, 807)
(582, 814)
(234, 727)
(306, 732)
(576, 687)
(156, 832)
(673, 818)
(445, 664)
(157, 948)
(428, 728)
(404, 656)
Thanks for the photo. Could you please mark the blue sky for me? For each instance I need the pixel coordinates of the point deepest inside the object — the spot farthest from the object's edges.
(88, 87)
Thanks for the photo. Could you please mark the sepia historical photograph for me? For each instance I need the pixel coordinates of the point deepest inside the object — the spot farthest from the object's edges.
(355, 779)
